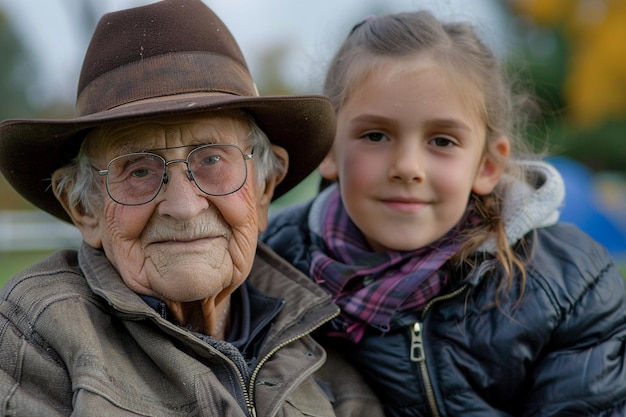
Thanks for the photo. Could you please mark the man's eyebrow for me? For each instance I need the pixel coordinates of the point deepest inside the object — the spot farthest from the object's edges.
(191, 145)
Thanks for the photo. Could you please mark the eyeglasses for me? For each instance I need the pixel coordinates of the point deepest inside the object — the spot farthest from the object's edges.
(136, 178)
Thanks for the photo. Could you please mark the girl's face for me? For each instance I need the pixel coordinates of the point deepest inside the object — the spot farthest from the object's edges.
(408, 151)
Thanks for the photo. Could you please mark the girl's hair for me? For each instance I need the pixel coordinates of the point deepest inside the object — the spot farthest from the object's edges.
(478, 75)
(82, 186)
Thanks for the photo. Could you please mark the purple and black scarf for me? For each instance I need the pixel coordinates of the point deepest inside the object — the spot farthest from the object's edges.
(370, 287)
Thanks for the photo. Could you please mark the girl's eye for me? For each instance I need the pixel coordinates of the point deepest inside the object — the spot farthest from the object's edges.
(442, 142)
(375, 137)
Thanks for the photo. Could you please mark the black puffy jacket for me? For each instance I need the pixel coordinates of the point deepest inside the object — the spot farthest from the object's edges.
(560, 352)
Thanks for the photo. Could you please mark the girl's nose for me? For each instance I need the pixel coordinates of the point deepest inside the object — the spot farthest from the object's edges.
(407, 164)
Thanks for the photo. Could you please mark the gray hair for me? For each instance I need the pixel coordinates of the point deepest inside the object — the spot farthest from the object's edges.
(81, 186)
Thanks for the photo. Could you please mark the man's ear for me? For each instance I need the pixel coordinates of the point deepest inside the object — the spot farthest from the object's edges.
(264, 198)
(89, 224)
(328, 167)
(492, 166)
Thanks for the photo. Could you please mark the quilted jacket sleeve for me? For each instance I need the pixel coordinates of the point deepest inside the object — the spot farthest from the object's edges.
(583, 370)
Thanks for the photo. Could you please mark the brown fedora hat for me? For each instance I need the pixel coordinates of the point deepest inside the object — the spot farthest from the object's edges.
(166, 58)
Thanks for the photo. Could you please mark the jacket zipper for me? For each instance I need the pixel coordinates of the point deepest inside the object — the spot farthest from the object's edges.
(249, 393)
(418, 354)
(242, 382)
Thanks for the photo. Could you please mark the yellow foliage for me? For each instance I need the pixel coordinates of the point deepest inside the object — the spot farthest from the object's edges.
(544, 12)
(595, 88)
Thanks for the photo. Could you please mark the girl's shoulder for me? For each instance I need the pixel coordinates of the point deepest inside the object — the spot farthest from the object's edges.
(287, 233)
(571, 266)
(293, 216)
(564, 248)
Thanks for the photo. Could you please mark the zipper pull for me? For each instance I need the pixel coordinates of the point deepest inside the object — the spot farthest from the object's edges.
(417, 344)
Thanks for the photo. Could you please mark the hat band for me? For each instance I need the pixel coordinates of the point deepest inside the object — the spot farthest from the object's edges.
(165, 75)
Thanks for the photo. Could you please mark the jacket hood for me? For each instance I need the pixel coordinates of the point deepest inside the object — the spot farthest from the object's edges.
(535, 202)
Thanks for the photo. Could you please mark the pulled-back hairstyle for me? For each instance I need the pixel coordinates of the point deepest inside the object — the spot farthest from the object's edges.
(479, 77)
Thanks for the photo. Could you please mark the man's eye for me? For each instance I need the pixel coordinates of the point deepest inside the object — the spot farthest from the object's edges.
(140, 172)
(211, 160)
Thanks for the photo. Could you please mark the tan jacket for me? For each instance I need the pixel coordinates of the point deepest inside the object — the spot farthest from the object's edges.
(75, 340)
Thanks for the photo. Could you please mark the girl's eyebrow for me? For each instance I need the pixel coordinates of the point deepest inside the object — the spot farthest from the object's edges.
(450, 123)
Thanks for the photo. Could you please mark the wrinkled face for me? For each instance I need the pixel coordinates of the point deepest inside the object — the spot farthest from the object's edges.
(184, 245)
(408, 151)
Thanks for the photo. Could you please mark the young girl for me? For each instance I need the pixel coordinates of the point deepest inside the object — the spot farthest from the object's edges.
(460, 292)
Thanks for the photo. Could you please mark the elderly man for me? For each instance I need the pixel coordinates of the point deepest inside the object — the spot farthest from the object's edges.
(170, 307)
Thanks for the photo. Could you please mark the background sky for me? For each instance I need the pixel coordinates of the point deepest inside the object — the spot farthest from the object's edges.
(309, 30)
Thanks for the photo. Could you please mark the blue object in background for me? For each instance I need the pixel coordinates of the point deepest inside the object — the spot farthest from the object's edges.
(584, 208)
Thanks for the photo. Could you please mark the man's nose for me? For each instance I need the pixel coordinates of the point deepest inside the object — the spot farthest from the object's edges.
(174, 161)
(181, 198)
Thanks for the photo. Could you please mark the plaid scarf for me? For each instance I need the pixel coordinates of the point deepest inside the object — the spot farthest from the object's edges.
(370, 287)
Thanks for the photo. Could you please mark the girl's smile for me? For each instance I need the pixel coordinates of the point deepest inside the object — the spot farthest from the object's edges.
(404, 205)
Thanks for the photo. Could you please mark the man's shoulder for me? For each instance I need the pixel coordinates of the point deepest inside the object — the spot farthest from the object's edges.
(53, 279)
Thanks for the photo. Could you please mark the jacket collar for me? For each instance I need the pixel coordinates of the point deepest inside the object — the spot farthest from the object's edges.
(306, 306)
(306, 303)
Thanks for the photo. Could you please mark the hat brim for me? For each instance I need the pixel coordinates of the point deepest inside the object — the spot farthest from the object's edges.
(31, 150)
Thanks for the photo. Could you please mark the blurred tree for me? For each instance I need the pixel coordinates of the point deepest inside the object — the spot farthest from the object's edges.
(270, 80)
(16, 71)
(577, 60)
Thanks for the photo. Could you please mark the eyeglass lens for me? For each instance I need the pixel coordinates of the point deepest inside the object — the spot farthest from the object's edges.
(137, 178)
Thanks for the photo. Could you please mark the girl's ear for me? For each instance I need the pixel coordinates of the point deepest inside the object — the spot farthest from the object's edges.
(328, 167)
(492, 166)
